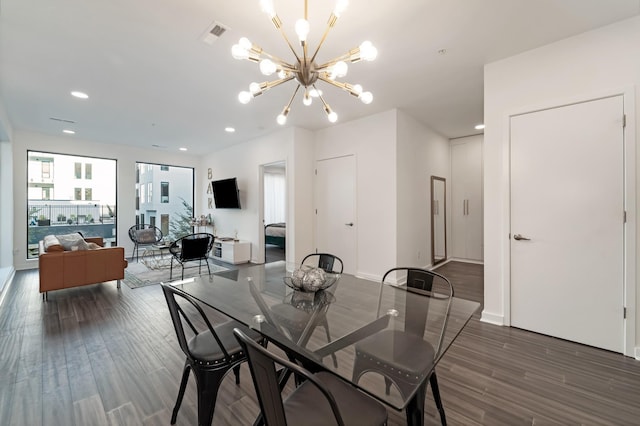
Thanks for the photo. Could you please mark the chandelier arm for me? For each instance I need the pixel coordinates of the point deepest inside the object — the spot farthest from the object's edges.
(274, 83)
(284, 64)
(344, 86)
(332, 22)
(292, 97)
(278, 24)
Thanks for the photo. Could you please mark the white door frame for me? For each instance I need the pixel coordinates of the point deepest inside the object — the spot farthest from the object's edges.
(630, 260)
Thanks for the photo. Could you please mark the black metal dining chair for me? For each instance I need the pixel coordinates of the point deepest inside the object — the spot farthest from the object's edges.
(211, 351)
(193, 247)
(321, 399)
(402, 354)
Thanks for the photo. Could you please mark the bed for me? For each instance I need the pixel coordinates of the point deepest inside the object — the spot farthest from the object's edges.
(275, 234)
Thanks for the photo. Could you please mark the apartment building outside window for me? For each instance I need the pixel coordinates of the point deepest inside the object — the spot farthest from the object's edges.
(77, 194)
(46, 170)
(77, 170)
(88, 194)
(87, 171)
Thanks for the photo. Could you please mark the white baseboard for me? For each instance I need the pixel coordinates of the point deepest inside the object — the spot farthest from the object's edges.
(637, 353)
(458, 259)
(490, 318)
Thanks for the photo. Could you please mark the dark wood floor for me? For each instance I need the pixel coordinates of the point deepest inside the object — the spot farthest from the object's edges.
(97, 356)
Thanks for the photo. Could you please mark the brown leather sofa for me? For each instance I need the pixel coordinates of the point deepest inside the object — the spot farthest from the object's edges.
(87, 262)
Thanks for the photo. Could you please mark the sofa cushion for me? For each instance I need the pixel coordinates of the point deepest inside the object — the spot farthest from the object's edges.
(51, 243)
(146, 236)
(67, 241)
(84, 245)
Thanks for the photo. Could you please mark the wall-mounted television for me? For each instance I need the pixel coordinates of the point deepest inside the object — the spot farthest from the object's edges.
(226, 194)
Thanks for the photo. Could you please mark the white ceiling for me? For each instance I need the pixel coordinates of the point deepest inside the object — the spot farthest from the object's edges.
(152, 81)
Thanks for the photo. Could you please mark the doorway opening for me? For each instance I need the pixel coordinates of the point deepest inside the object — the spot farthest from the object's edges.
(274, 206)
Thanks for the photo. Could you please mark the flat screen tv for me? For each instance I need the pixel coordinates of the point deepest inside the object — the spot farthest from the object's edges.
(226, 194)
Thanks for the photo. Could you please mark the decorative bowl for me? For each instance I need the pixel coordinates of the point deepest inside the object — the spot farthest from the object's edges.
(309, 280)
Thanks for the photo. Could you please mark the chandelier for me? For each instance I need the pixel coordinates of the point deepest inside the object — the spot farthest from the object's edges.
(304, 70)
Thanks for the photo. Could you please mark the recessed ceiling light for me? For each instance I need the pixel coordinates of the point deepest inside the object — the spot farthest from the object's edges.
(80, 95)
(229, 129)
(183, 149)
(480, 127)
(71, 132)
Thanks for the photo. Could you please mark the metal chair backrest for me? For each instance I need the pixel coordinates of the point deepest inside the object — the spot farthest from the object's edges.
(262, 364)
(426, 301)
(326, 261)
(180, 319)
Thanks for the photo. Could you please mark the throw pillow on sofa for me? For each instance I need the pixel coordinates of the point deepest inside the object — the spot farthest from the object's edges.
(67, 241)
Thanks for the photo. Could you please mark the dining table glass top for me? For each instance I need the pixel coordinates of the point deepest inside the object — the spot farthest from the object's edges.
(323, 328)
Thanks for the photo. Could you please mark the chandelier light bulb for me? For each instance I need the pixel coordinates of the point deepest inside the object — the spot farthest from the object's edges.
(282, 74)
(332, 116)
(366, 97)
(340, 69)
(367, 51)
(267, 7)
(244, 97)
(340, 7)
(314, 93)
(255, 89)
(245, 43)
(281, 119)
(302, 29)
(306, 99)
(267, 67)
(357, 89)
(239, 52)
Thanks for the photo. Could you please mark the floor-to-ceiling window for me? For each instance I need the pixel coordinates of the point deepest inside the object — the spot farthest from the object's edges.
(154, 206)
(68, 193)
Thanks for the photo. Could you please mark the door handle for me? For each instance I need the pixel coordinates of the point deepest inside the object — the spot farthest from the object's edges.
(349, 224)
(521, 238)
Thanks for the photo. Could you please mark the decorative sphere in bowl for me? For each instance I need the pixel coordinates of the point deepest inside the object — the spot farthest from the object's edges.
(310, 280)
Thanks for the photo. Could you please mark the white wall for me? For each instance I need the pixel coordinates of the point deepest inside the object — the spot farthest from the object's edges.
(243, 161)
(6, 213)
(372, 140)
(422, 153)
(601, 62)
(126, 175)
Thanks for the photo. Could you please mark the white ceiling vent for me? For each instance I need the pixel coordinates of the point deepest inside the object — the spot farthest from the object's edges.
(214, 32)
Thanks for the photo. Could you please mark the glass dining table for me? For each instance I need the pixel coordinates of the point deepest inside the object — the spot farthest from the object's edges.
(322, 330)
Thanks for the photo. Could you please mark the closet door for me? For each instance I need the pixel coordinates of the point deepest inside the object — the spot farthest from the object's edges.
(466, 193)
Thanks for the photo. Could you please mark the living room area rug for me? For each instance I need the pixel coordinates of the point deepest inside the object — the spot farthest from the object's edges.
(138, 274)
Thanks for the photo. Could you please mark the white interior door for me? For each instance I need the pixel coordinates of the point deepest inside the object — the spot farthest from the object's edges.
(335, 209)
(567, 198)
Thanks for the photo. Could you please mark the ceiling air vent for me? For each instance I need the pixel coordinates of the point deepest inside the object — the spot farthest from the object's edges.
(214, 32)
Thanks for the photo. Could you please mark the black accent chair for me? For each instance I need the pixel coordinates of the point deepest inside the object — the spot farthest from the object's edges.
(402, 356)
(191, 248)
(321, 399)
(143, 235)
(327, 262)
(210, 352)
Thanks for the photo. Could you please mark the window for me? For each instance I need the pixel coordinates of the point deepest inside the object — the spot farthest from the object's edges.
(56, 191)
(152, 220)
(164, 192)
(153, 192)
(46, 170)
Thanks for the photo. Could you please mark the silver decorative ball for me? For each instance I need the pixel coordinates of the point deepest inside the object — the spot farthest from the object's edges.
(314, 279)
